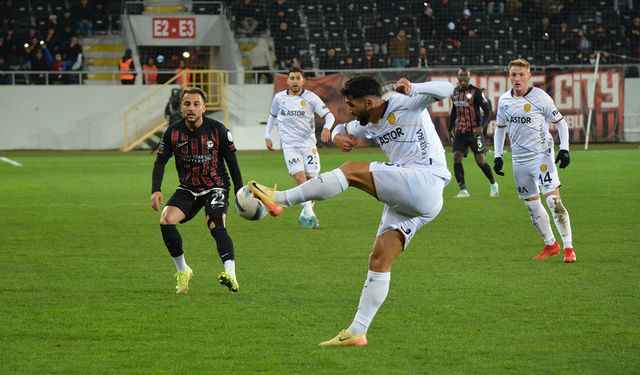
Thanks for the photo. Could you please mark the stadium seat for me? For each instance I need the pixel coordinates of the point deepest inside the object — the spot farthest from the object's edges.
(207, 8)
(101, 25)
(40, 8)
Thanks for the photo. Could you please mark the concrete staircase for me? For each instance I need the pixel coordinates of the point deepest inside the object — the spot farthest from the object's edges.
(101, 57)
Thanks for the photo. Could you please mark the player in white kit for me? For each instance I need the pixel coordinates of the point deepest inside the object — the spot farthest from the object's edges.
(525, 113)
(410, 184)
(292, 111)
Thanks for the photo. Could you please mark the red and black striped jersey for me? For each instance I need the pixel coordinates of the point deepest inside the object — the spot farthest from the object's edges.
(200, 156)
(465, 111)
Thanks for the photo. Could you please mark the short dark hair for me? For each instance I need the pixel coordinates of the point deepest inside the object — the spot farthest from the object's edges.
(295, 69)
(194, 90)
(464, 69)
(361, 86)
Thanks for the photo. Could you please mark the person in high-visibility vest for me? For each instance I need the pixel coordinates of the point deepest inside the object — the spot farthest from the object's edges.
(183, 80)
(150, 72)
(127, 68)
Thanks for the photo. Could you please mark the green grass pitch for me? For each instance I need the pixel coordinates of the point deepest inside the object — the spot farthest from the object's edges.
(87, 284)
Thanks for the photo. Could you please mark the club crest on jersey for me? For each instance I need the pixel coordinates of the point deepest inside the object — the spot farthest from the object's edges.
(469, 95)
(303, 103)
(543, 167)
(527, 107)
(209, 145)
(392, 119)
(314, 151)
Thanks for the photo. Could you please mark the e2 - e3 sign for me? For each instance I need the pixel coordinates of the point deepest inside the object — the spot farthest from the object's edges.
(178, 28)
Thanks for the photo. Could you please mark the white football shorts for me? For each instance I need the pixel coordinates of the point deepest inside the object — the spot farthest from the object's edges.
(302, 159)
(533, 177)
(412, 197)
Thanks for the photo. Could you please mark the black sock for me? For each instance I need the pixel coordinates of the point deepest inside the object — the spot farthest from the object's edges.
(459, 172)
(487, 172)
(172, 239)
(224, 244)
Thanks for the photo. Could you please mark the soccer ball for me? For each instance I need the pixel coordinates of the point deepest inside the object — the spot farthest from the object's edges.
(248, 206)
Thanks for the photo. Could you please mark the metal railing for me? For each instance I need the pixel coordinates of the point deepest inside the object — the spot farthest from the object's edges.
(146, 116)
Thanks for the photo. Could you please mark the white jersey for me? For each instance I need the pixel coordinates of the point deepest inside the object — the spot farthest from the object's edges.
(527, 121)
(406, 133)
(294, 117)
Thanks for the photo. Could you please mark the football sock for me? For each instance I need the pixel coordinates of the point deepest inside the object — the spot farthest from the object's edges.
(324, 186)
(181, 264)
(561, 219)
(307, 208)
(230, 267)
(458, 170)
(172, 239)
(540, 220)
(487, 172)
(223, 243)
(374, 292)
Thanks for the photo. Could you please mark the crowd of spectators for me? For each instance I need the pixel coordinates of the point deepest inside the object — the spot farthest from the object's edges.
(42, 36)
(377, 34)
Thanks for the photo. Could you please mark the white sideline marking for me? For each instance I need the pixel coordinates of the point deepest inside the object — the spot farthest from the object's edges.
(9, 161)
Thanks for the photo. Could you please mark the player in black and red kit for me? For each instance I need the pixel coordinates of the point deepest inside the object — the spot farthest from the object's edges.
(466, 126)
(201, 147)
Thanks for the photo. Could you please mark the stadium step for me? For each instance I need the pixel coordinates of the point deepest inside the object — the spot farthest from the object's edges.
(165, 9)
(102, 55)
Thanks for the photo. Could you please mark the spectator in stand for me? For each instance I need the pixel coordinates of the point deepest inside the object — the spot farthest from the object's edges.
(583, 47)
(600, 39)
(542, 31)
(183, 74)
(261, 59)
(570, 13)
(330, 61)
(67, 24)
(349, 63)
(427, 24)
(5, 79)
(52, 40)
(248, 16)
(285, 48)
(466, 25)
(85, 14)
(11, 48)
(495, 7)
(127, 68)
(423, 62)
(399, 50)
(73, 58)
(444, 13)
(150, 72)
(377, 36)
(564, 38)
(58, 67)
(633, 37)
(350, 15)
(370, 60)
(7, 15)
(513, 7)
(40, 61)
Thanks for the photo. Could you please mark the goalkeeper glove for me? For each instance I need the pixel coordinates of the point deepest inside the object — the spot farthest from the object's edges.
(563, 158)
(497, 165)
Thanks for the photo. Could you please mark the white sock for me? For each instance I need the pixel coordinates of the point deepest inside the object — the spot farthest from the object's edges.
(230, 267)
(540, 219)
(181, 264)
(307, 209)
(324, 186)
(374, 292)
(561, 219)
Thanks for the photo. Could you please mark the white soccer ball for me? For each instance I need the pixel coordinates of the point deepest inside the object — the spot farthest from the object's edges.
(248, 206)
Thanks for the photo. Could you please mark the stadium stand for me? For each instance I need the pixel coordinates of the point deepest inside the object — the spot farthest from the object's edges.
(306, 32)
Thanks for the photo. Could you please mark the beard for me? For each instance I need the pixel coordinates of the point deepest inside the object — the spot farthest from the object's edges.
(363, 118)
